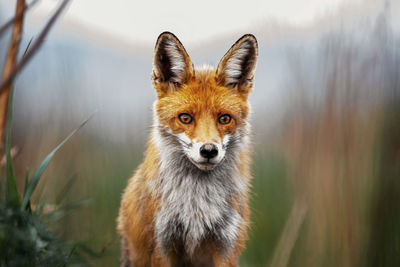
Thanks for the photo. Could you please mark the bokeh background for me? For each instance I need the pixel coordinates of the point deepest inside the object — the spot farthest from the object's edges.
(325, 117)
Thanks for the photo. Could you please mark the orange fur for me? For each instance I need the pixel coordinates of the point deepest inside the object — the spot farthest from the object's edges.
(203, 95)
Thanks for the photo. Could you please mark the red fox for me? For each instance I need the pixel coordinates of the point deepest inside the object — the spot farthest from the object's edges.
(187, 203)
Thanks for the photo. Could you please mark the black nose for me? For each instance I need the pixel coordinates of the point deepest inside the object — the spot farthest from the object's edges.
(208, 151)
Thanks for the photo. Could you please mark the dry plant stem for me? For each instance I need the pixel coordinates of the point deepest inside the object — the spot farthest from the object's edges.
(9, 66)
(17, 17)
(14, 152)
(290, 233)
(34, 47)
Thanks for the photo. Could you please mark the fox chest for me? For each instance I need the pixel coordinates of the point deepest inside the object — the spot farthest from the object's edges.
(195, 212)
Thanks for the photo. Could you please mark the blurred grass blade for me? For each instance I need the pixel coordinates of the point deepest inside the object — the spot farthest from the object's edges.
(26, 181)
(61, 196)
(12, 197)
(33, 182)
(60, 213)
(290, 234)
(28, 208)
(27, 47)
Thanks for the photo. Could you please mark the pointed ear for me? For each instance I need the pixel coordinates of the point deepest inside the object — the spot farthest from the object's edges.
(236, 68)
(172, 65)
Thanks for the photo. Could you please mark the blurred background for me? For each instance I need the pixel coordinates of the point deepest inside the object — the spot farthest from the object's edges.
(325, 117)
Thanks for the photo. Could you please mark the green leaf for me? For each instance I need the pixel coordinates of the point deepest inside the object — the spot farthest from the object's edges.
(12, 196)
(28, 208)
(33, 182)
(26, 180)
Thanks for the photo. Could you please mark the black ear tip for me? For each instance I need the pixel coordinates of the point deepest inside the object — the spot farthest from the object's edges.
(249, 38)
(167, 36)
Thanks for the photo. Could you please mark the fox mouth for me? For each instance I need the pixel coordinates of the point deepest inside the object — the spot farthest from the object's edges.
(204, 165)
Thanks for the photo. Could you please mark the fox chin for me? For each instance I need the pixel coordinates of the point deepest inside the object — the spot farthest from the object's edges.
(187, 203)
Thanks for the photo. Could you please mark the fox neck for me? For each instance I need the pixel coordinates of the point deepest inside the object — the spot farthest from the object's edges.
(196, 205)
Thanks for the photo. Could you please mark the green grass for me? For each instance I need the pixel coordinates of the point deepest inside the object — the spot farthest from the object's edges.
(270, 205)
(25, 238)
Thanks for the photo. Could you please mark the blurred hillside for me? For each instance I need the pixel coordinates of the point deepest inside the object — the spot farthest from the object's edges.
(87, 70)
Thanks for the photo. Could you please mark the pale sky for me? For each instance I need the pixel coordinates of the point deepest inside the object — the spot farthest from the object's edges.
(192, 20)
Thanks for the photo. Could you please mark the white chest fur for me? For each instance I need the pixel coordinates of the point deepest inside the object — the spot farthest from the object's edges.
(195, 208)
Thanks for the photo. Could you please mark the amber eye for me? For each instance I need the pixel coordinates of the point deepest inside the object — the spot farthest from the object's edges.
(225, 119)
(185, 118)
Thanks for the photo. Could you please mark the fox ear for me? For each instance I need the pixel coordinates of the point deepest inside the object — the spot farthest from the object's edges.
(236, 68)
(172, 65)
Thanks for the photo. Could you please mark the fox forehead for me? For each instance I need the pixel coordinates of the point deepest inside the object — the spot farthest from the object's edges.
(205, 101)
(202, 97)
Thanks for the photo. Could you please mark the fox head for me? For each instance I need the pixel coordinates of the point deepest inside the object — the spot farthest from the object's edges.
(202, 113)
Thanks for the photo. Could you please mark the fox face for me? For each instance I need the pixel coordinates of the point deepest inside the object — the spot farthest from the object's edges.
(203, 110)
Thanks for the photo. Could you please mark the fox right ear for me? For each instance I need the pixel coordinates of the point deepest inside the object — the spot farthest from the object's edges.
(172, 65)
(236, 68)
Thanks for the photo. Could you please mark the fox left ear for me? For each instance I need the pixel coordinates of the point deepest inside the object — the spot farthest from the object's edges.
(172, 65)
(236, 68)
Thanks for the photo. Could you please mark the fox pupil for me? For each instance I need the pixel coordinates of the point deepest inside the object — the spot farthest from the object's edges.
(225, 119)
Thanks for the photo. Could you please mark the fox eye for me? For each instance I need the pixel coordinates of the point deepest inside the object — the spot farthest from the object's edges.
(185, 118)
(225, 119)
